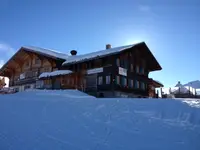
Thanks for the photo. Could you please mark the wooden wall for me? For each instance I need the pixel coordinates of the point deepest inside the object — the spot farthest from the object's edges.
(33, 63)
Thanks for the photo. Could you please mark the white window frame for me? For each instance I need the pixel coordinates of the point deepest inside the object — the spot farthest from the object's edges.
(143, 86)
(108, 79)
(130, 83)
(117, 80)
(124, 81)
(132, 68)
(100, 80)
(118, 62)
(137, 84)
(137, 69)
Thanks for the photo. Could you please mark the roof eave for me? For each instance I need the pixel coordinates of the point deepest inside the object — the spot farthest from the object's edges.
(3, 67)
(157, 66)
(44, 54)
(89, 59)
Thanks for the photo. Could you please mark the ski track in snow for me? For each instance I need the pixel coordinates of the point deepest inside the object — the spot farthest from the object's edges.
(63, 120)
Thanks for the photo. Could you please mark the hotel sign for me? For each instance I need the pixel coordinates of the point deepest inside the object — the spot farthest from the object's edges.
(96, 70)
(122, 71)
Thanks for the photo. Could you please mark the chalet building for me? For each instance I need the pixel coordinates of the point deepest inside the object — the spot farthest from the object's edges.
(25, 66)
(113, 72)
(152, 88)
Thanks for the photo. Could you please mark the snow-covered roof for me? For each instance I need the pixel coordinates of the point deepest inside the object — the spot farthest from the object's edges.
(101, 53)
(48, 52)
(183, 90)
(55, 73)
(158, 82)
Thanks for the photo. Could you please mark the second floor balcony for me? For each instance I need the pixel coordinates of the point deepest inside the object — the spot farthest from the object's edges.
(26, 77)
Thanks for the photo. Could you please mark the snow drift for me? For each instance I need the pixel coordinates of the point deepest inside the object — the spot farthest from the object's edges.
(71, 120)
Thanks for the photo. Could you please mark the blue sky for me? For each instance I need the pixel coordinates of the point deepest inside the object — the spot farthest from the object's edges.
(171, 29)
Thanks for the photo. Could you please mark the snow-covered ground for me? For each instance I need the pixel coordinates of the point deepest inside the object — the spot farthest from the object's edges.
(71, 120)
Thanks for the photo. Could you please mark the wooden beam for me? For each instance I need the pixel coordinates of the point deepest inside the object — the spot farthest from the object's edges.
(19, 63)
(40, 57)
(30, 55)
(51, 62)
(8, 71)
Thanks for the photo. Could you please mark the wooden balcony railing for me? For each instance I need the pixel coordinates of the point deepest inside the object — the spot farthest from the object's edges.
(27, 77)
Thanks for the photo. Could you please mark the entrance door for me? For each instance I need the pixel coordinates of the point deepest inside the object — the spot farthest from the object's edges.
(56, 84)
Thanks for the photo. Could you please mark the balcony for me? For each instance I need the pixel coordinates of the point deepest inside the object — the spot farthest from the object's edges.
(25, 81)
(25, 78)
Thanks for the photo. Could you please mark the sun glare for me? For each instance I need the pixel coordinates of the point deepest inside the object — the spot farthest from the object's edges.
(133, 42)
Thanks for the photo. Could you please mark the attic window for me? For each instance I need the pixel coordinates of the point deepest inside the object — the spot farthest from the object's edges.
(27, 64)
(37, 61)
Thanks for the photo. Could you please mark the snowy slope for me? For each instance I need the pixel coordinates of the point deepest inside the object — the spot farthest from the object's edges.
(194, 84)
(70, 120)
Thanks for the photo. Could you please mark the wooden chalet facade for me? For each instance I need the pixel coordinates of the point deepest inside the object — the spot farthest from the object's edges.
(114, 72)
(121, 74)
(25, 66)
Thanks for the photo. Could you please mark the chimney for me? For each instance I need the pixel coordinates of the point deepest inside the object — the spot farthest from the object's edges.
(73, 52)
(108, 46)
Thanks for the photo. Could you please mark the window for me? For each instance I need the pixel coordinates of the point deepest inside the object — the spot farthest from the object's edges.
(132, 69)
(37, 61)
(141, 70)
(117, 80)
(107, 79)
(98, 63)
(142, 85)
(130, 83)
(28, 74)
(125, 64)
(27, 87)
(136, 84)
(137, 69)
(100, 80)
(17, 89)
(47, 82)
(34, 73)
(118, 62)
(47, 69)
(123, 81)
(121, 63)
(90, 65)
(39, 84)
(27, 64)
